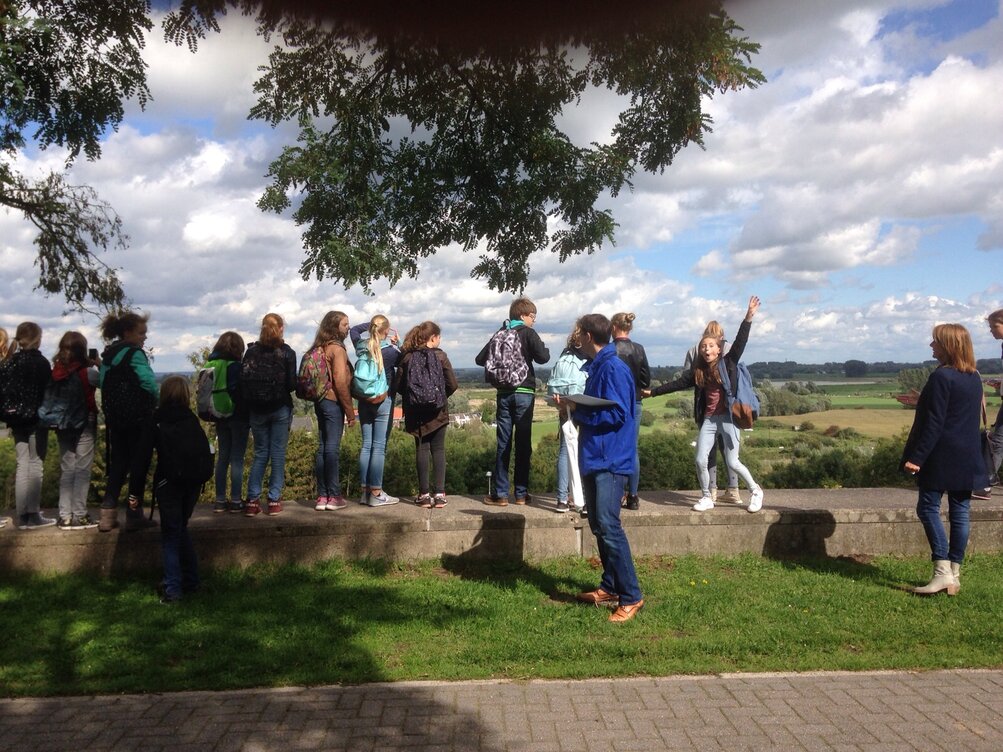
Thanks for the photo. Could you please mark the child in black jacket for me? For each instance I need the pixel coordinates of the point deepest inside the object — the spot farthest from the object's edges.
(184, 464)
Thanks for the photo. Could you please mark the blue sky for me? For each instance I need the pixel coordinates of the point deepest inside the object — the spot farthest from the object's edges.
(859, 193)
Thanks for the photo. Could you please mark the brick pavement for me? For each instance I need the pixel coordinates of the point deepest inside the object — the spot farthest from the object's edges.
(949, 711)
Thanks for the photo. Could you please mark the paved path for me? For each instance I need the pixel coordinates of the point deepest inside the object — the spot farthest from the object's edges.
(949, 711)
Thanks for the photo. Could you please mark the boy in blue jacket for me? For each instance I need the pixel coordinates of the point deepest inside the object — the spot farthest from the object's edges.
(606, 456)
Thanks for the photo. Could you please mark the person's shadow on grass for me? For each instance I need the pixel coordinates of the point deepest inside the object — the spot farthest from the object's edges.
(498, 555)
(798, 538)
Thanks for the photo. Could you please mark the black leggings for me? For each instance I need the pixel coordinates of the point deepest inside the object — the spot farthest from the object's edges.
(129, 453)
(431, 445)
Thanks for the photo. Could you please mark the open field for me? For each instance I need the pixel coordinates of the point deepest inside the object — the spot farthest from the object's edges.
(872, 422)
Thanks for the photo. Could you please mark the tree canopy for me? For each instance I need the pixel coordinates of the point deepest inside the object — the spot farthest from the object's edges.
(66, 68)
(421, 125)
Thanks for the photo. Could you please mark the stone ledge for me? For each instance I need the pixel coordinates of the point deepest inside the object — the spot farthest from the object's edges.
(814, 522)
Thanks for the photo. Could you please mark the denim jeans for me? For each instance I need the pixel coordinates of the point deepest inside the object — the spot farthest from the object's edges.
(928, 511)
(635, 476)
(271, 434)
(76, 457)
(176, 502)
(231, 439)
(373, 419)
(330, 427)
(30, 445)
(514, 416)
(712, 464)
(603, 492)
(996, 440)
(712, 427)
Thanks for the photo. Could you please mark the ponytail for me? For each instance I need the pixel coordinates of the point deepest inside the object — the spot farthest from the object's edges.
(378, 324)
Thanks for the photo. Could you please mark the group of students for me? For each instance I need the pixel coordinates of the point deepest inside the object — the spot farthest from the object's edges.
(260, 383)
(711, 368)
(252, 388)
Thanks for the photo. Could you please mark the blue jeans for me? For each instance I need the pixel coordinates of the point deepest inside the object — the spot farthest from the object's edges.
(231, 437)
(271, 434)
(928, 511)
(330, 427)
(603, 492)
(181, 572)
(712, 427)
(514, 415)
(635, 476)
(374, 420)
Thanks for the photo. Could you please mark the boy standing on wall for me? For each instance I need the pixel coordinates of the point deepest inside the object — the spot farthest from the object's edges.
(508, 359)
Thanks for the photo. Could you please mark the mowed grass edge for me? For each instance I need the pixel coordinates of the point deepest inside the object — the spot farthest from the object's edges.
(341, 622)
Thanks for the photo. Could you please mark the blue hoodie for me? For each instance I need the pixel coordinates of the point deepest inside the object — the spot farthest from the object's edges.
(606, 440)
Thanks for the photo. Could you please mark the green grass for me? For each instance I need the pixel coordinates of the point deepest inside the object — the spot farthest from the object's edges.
(375, 621)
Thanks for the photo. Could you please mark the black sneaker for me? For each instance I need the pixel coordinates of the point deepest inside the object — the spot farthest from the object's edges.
(220, 506)
(633, 502)
(562, 507)
(84, 522)
(65, 523)
(982, 494)
(35, 520)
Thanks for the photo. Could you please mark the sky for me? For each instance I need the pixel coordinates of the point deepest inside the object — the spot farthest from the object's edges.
(859, 193)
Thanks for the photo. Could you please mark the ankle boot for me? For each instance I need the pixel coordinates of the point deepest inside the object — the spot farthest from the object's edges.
(135, 520)
(942, 580)
(956, 571)
(108, 520)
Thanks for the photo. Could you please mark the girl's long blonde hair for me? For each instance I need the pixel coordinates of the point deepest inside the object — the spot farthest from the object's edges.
(7, 345)
(379, 325)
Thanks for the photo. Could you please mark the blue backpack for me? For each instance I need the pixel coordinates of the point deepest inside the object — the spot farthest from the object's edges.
(369, 381)
(64, 406)
(567, 376)
(742, 399)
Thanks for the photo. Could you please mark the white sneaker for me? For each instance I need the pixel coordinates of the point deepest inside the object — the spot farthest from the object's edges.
(704, 504)
(382, 499)
(756, 500)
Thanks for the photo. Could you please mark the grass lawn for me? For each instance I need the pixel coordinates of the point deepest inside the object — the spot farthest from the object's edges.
(375, 621)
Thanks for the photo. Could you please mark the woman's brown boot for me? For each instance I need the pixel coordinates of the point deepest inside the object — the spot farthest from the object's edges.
(108, 520)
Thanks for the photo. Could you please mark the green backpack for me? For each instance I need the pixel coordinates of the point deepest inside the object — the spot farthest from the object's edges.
(212, 400)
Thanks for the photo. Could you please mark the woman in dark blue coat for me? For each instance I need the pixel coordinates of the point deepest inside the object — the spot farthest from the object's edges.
(944, 454)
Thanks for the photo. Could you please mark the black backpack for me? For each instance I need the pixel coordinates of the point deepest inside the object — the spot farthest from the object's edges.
(123, 399)
(183, 452)
(64, 406)
(20, 394)
(426, 382)
(263, 377)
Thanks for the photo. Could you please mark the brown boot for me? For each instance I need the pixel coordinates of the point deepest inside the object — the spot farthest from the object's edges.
(108, 520)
